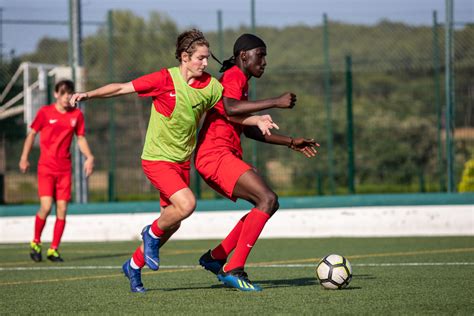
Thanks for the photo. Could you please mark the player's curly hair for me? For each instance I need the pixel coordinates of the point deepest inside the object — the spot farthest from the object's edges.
(188, 42)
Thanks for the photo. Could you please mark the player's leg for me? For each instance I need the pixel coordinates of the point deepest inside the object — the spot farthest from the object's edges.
(46, 203)
(45, 193)
(59, 225)
(214, 169)
(132, 267)
(148, 252)
(178, 201)
(250, 187)
(63, 195)
(170, 232)
(182, 206)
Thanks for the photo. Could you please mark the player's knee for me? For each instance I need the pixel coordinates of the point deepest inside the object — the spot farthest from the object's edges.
(270, 203)
(61, 212)
(186, 207)
(276, 205)
(44, 210)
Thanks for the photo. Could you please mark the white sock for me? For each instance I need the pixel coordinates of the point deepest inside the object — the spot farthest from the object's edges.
(152, 235)
(133, 264)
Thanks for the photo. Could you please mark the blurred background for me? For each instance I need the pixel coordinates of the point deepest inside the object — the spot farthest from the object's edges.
(386, 88)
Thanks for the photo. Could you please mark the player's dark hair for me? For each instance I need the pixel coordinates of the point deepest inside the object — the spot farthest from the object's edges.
(64, 86)
(188, 42)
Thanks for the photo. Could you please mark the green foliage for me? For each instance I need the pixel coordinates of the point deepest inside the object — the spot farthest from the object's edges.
(395, 118)
(467, 180)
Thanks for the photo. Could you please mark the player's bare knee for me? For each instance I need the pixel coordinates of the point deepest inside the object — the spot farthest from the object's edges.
(61, 213)
(276, 206)
(186, 208)
(44, 210)
(269, 203)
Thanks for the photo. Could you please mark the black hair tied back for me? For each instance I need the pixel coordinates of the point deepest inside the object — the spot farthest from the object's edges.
(244, 43)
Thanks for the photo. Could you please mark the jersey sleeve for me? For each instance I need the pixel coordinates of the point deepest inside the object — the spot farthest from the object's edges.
(39, 121)
(80, 129)
(150, 85)
(233, 85)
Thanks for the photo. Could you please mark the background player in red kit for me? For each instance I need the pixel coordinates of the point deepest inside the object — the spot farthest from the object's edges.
(219, 160)
(57, 123)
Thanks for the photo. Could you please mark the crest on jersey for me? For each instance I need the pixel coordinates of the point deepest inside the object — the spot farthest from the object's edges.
(73, 122)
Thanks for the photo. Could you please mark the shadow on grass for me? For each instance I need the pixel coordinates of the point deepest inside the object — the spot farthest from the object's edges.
(190, 287)
(266, 284)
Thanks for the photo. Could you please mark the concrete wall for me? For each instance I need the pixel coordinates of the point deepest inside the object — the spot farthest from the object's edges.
(366, 221)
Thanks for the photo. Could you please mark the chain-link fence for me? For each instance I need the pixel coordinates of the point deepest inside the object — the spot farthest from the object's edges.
(396, 106)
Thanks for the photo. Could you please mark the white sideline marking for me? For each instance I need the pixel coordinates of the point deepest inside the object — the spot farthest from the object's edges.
(413, 264)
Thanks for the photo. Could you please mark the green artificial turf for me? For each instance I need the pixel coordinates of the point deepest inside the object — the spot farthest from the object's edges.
(391, 276)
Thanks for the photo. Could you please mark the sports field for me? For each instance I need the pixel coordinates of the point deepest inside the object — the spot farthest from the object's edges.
(391, 276)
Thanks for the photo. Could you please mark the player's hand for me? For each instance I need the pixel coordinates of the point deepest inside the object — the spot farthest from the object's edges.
(89, 166)
(77, 97)
(24, 165)
(305, 146)
(286, 101)
(265, 123)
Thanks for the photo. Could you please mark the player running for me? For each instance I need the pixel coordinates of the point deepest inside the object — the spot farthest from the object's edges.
(57, 123)
(180, 96)
(219, 160)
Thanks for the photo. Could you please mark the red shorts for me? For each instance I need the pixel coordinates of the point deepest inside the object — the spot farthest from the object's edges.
(221, 170)
(54, 184)
(167, 177)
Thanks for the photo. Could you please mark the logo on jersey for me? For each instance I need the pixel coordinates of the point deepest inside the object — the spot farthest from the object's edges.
(172, 94)
(52, 121)
(73, 122)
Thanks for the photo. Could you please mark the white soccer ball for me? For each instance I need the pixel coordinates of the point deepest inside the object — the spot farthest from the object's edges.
(334, 272)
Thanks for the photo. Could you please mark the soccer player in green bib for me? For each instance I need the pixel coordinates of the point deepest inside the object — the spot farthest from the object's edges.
(181, 95)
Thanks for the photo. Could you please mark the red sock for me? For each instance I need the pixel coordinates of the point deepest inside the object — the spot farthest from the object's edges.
(138, 257)
(58, 232)
(226, 246)
(252, 227)
(156, 230)
(39, 225)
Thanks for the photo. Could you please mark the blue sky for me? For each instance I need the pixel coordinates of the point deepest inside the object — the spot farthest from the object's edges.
(203, 14)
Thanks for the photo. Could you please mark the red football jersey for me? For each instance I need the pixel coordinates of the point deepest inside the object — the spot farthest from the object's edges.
(217, 130)
(159, 85)
(56, 131)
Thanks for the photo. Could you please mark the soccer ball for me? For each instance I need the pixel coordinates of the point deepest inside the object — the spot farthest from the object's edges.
(334, 272)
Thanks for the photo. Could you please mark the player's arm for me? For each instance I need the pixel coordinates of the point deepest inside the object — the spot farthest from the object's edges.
(86, 151)
(235, 107)
(305, 146)
(107, 91)
(24, 164)
(263, 122)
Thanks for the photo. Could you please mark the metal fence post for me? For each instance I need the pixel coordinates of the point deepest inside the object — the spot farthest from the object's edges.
(449, 81)
(111, 77)
(350, 127)
(327, 103)
(437, 99)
